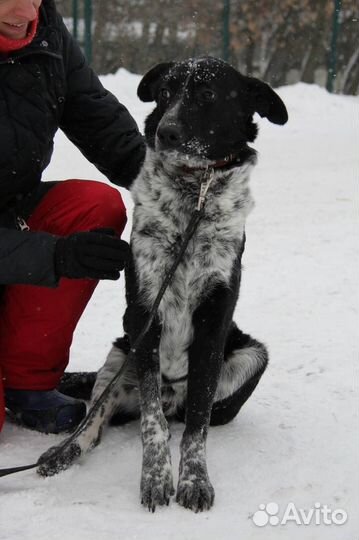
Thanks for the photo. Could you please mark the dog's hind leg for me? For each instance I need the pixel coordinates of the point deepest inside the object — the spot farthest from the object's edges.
(245, 361)
(55, 459)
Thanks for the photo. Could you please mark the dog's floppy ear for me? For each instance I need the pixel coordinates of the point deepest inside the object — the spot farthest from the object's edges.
(146, 90)
(266, 102)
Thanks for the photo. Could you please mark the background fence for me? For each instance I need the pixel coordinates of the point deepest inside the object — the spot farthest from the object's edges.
(315, 41)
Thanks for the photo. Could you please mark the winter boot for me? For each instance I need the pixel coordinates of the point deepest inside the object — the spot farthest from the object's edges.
(47, 411)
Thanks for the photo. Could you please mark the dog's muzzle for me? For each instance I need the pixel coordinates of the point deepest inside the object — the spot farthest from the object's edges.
(169, 137)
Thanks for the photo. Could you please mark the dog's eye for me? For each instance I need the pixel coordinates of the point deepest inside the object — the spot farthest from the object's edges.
(165, 93)
(208, 96)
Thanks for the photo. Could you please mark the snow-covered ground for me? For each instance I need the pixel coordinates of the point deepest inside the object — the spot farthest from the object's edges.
(296, 439)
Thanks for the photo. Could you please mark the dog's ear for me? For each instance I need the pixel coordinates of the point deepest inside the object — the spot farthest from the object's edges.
(146, 90)
(266, 102)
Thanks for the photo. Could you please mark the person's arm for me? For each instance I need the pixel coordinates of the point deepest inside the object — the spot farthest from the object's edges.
(95, 121)
(27, 258)
(36, 258)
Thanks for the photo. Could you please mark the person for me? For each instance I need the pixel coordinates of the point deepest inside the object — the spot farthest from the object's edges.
(57, 239)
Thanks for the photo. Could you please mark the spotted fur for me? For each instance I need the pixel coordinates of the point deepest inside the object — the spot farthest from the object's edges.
(156, 480)
(209, 258)
(193, 363)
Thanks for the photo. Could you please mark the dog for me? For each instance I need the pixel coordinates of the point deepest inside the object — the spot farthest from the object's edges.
(194, 363)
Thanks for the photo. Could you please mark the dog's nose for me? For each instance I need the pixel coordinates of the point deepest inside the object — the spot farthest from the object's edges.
(169, 136)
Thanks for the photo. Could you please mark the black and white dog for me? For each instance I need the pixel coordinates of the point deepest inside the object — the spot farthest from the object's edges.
(194, 363)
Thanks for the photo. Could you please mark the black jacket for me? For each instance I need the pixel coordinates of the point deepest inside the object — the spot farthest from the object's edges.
(43, 87)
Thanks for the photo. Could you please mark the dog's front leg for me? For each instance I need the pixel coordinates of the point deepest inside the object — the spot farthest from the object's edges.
(156, 480)
(210, 321)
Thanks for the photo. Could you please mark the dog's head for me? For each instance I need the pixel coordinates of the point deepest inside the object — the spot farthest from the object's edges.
(205, 108)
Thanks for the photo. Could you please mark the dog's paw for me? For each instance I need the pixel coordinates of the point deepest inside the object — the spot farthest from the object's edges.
(194, 493)
(55, 460)
(156, 489)
(156, 481)
(194, 490)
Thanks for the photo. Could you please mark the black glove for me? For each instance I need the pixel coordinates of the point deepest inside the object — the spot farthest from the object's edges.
(97, 254)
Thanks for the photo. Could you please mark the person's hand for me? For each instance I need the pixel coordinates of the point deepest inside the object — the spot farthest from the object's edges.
(97, 254)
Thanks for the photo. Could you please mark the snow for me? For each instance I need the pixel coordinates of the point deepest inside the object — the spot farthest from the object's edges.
(296, 439)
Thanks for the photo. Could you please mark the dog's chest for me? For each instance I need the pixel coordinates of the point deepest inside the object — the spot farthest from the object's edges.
(160, 218)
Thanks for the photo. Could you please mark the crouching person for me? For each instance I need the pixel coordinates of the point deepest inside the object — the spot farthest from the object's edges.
(57, 239)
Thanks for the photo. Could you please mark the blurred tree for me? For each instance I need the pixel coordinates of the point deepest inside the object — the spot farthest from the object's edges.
(282, 42)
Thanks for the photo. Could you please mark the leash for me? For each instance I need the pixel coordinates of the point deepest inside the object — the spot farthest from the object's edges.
(189, 232)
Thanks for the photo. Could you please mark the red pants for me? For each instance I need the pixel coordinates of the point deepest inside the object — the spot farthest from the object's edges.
(37, 323)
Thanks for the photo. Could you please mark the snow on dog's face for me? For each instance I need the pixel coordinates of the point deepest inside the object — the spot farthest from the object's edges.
(204, 109)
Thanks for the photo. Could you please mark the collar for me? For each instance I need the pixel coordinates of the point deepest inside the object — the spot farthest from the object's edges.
(224, 163)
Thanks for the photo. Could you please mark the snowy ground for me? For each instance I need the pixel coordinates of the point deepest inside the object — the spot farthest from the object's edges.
(294, 441)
